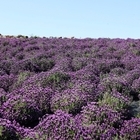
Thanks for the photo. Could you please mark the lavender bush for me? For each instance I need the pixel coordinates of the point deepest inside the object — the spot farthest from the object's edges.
(27, 104)
(69, 101)
(57, 126)
(6, 81)
(8, 130)
(130, 130)
(21, 110)
(98, 122)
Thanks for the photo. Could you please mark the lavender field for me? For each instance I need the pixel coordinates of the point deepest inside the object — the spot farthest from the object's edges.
(69, 89)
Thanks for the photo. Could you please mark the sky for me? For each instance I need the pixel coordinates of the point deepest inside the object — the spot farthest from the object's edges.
(71, 18)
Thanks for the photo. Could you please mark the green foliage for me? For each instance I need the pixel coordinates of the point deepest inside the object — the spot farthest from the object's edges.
(138, 115)
(20, 105)
(21, 111)
(22, 76)
(70, 85)
(114, 102)
(78, 63)
(36, 137)
(87, 54)
(1, 129)
(37, 64)
(132, 45)
(115, 83)
(55, 80)
(69, 103)
(136, 52)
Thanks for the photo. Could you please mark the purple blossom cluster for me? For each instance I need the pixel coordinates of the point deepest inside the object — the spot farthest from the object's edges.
(130, 129)
(69, 89)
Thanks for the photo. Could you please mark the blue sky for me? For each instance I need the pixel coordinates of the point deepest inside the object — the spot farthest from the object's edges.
(71, 18)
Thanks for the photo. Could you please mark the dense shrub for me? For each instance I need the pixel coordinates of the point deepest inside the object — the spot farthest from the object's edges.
(6, 81)
(115, 100)
(100, 114)
(6, 66)
(63, 63)
(2, 96)
(20, 78)
(98, 122)
(130, 130)
(34, 65)
(111, 82)
(42, 63)
(105, 65)
(27, 104)
(70, 101)
(57, 126)
(130, 61)
(8, 131)
(132, 75)
(117, 71)
(21, 109)
(78, 63)
(55, 80)
(86, 74)
(136, 85)
(20, 56)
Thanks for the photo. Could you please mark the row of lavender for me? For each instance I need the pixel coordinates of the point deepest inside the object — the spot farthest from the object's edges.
(64, 89)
